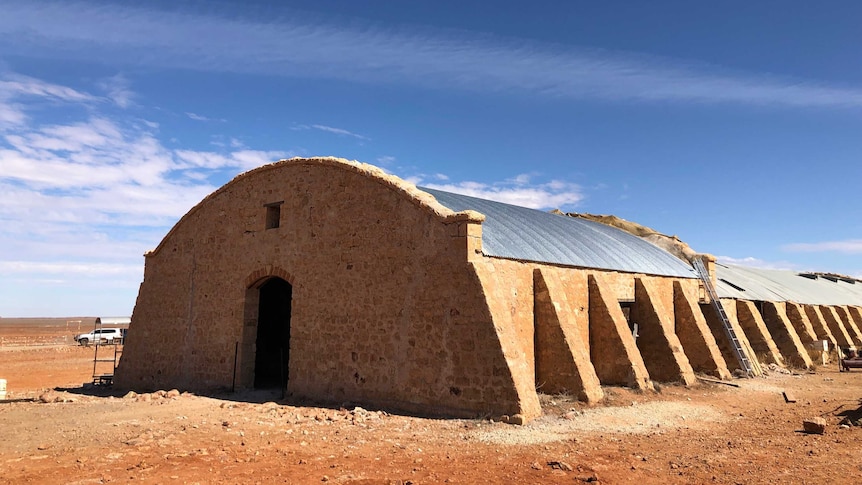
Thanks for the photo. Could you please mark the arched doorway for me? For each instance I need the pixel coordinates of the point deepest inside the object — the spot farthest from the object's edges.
(272, 344)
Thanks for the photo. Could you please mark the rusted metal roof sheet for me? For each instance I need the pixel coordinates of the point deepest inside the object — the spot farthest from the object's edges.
(514, 232)
(745, 283)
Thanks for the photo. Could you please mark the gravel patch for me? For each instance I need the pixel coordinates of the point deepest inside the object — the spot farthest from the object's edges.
(646, 418)
(774, 383)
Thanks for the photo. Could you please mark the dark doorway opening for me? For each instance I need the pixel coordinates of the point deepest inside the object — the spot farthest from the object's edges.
(273, 335)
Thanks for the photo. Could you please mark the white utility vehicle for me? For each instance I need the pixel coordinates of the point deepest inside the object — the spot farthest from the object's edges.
(102, 336)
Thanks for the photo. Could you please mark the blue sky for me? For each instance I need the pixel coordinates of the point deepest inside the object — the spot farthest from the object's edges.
(735, 125)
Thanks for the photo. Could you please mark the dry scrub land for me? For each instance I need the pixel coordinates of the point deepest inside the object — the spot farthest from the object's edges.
(704, 434)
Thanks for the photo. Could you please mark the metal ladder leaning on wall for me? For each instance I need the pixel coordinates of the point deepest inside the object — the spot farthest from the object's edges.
(735, 344)
(103, 378)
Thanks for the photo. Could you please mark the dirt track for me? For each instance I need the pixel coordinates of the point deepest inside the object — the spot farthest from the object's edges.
(705, 434)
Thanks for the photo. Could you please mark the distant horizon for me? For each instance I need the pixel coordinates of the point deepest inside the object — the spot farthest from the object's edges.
(79, 317)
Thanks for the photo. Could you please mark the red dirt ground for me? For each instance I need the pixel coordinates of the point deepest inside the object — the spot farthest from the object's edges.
(704, 434)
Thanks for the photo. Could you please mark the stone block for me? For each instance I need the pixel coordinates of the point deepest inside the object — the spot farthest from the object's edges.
(816, 425)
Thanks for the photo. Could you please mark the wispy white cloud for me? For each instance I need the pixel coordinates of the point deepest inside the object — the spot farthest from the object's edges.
(288, 45)
(339, 131)
(850, 246)
(198, 117)
(757, 263)
(13, 85)
(519, 190)
(222, 142)
(16, 89)
(330, 129)
(97, 166)
(11, 115)
(118, 90)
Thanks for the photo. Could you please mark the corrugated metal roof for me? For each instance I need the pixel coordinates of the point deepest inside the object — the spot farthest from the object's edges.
(746, 283)
(520, 233)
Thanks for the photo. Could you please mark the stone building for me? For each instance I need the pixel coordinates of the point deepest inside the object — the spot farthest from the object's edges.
(338, 282)
(786, 316)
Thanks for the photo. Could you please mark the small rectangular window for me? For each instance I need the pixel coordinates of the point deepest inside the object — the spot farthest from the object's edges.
(273, 215)
(627, 306)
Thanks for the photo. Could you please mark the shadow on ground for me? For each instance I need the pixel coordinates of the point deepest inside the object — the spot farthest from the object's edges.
(852, 417)
(259, 396)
